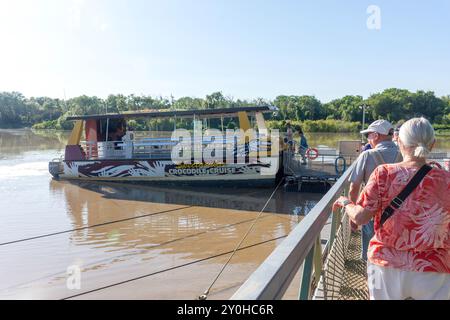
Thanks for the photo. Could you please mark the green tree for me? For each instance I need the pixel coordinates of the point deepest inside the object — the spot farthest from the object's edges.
(299, 108)
(391, 104)
(13, 109)
(309, 108)
(215, 100)
(86, 105)
(188, 103)
(285, 107)
(347, 108)
(428, 105)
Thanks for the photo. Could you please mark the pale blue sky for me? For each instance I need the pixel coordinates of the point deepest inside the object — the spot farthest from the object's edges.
(245, 48)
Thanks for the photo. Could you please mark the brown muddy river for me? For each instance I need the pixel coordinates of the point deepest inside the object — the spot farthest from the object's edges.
(124, 241)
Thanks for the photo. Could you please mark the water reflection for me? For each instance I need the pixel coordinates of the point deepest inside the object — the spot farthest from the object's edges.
(130, 216)
(123, 231)
(15, 142)
(249, 199)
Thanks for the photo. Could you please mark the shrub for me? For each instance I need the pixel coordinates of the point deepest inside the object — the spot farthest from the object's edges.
(329, 125)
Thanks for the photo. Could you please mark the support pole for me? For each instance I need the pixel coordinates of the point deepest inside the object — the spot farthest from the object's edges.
(305, 285)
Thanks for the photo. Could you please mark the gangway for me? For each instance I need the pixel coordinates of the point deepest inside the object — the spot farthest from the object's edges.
(325, 262)
(329, 268)
(326, 168)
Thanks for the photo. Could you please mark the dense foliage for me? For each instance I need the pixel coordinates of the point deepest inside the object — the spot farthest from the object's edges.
(344, 114)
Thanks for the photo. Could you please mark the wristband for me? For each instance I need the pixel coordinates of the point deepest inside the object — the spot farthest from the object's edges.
(346, 202)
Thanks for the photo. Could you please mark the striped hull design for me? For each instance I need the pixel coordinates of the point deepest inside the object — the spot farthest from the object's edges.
(165, 171)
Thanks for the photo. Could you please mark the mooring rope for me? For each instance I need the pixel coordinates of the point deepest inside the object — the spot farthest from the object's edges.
(92, 226)
(97, 225)
(134, 253)
(204, 296)
(171, 268)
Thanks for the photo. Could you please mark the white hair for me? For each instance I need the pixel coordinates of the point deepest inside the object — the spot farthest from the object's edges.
(419, 133)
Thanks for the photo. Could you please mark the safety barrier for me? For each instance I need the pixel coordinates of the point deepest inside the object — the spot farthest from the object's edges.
(303, 247)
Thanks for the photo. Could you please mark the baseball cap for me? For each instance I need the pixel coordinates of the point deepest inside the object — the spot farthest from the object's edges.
(380, 126)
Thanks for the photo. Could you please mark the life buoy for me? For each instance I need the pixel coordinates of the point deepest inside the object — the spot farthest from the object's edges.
(312, 156)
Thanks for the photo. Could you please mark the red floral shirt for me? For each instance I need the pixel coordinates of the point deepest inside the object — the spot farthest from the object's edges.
(417, 236)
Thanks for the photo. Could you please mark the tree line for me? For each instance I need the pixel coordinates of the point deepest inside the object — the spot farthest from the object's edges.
(343, 114)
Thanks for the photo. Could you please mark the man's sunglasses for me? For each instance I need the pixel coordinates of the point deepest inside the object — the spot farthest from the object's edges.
(367, 134)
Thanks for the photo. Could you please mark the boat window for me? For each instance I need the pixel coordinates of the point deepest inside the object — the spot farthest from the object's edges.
(115, 129)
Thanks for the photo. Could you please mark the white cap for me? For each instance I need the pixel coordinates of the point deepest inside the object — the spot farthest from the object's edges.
(380, 126)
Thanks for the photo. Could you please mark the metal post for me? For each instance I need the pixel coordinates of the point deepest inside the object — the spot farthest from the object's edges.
(305, 285)
(334, 226)
(363, 121)
(107, 128)
(317, 259)
(107, 122)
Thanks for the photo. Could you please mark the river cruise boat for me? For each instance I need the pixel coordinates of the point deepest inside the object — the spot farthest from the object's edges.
(104, 147)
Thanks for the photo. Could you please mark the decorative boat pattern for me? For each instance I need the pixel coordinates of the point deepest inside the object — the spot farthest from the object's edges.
(155, 169)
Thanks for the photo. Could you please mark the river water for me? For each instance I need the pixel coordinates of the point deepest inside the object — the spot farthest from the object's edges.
(91, 240)
(174, 240)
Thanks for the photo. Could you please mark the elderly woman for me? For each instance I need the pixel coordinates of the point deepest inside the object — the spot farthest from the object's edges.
(409, 255)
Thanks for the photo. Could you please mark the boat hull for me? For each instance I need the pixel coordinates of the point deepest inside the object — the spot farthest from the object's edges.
(167, 172)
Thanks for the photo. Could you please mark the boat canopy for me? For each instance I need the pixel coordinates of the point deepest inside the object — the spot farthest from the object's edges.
(201, 113)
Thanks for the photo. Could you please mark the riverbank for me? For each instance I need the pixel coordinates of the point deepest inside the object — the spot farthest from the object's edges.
(316, 126)
(338, 115)
(329, 125)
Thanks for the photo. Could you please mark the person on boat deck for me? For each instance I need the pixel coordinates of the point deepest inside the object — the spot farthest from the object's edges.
(303, 145)
(383, 150)
(290, 136)
(409, 256)
(117, 133)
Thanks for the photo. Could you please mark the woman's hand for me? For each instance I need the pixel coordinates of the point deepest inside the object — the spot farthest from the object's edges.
(341, 202)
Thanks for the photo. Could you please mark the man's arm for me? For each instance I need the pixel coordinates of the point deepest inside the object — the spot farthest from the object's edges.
(357, 177)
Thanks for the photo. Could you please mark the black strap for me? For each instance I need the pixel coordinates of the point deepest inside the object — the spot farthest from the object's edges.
(409, 188)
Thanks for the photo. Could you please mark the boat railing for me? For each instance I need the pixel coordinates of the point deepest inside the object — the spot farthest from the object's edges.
(304, 248)
(107, 150)
(162, 147)
(323, 162)
(438, 155)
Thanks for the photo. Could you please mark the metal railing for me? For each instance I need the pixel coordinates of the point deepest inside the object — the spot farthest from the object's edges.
(301, 247)
(325, 165)
(162, 147)
(105, 149)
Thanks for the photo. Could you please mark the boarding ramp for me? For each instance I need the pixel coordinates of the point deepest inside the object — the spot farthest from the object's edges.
(327, 257)
(318, 167)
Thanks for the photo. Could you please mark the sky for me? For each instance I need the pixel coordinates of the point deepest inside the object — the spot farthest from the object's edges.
(245, 48)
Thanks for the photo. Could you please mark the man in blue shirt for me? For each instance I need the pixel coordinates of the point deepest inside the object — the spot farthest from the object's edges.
(383, 150)
(366, 147)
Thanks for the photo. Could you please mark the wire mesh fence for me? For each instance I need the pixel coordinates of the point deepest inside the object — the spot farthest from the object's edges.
(343, 276)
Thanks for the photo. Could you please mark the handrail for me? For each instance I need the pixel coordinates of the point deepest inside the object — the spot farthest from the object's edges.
(272, 278)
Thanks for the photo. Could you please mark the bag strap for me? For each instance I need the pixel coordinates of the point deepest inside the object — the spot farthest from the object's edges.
(401, 197)
(379, 159)
(398, 157)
